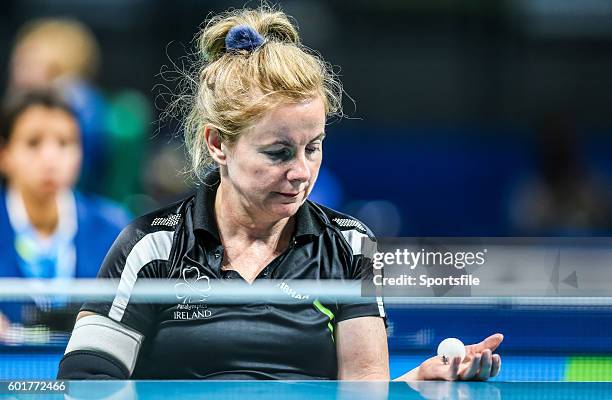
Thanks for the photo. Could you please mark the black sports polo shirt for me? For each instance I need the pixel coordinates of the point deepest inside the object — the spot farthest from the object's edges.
(258, 340)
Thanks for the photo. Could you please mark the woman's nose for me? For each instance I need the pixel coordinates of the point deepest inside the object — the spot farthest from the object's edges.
(299, 170)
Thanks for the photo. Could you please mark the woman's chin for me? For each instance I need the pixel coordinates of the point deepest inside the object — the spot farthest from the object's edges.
(43, 190)
(284, 210)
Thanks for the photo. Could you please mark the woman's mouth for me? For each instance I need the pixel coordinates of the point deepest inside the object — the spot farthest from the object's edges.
(289, 195)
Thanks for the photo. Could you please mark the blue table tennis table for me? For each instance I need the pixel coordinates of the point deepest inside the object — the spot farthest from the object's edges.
(315, 390)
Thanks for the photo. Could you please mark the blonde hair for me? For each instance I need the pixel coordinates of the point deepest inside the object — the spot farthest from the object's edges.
(72, 47)
(234, 88)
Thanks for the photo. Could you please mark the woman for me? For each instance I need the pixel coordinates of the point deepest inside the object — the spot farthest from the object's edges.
(258, 119)
(46, 228)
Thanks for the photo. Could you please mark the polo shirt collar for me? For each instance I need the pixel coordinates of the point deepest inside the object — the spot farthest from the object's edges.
(308, 223)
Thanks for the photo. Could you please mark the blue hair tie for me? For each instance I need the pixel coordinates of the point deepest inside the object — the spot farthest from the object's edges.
(243, 37)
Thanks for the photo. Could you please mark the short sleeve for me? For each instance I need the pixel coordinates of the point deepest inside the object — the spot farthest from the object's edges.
(362, 243)
(140, 252)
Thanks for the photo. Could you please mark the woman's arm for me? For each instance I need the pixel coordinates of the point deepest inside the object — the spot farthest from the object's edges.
(361, 345)
(108, 334)
(99, 348)
(4, 327)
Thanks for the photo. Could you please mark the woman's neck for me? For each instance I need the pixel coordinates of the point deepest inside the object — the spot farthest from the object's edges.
(235, 221)
(42, 212)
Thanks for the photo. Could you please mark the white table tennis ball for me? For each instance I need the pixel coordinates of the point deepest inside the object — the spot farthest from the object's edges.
(451, 348)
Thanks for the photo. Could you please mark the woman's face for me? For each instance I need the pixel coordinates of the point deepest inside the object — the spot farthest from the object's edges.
(273, 166)
(43, 154)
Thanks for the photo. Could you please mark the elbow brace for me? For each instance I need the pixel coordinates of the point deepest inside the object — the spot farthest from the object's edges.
(83, 364)
(100, 348)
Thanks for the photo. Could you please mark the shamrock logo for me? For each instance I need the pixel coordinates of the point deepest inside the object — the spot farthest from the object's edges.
(193, 286)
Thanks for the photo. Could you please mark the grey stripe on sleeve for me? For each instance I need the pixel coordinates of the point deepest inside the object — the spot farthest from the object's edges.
(357, 240)
(154, 246)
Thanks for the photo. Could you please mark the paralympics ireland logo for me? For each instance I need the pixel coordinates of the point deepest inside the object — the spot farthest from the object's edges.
(193, 287)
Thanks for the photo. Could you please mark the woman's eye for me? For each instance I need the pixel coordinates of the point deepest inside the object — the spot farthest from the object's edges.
(312, 149)
(66, 142)
(280, 155)
(33, 143)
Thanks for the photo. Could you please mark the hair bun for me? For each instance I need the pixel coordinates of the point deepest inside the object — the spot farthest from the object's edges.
(243, 37)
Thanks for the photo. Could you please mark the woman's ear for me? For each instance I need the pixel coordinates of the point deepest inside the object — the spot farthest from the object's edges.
(213, 143)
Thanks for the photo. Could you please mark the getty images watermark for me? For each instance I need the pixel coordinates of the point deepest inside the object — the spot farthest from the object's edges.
(411, 260)
(476, 266)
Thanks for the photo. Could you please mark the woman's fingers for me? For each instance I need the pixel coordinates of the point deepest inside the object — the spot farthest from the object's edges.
(472, 368)
(491, 343)
(480, 366)
(453, 373)
(485, 366)
(495, 365)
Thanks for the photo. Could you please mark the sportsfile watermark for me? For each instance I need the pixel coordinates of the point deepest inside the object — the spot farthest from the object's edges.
(471, 267)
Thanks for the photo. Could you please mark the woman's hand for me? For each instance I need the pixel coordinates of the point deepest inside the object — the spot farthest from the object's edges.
(479, 364)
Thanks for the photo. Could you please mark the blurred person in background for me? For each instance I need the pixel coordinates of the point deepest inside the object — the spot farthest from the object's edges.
(563, 196)
(47, 230)
(65, 54)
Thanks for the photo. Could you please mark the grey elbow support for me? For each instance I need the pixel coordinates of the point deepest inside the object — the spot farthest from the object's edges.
(100, 348)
